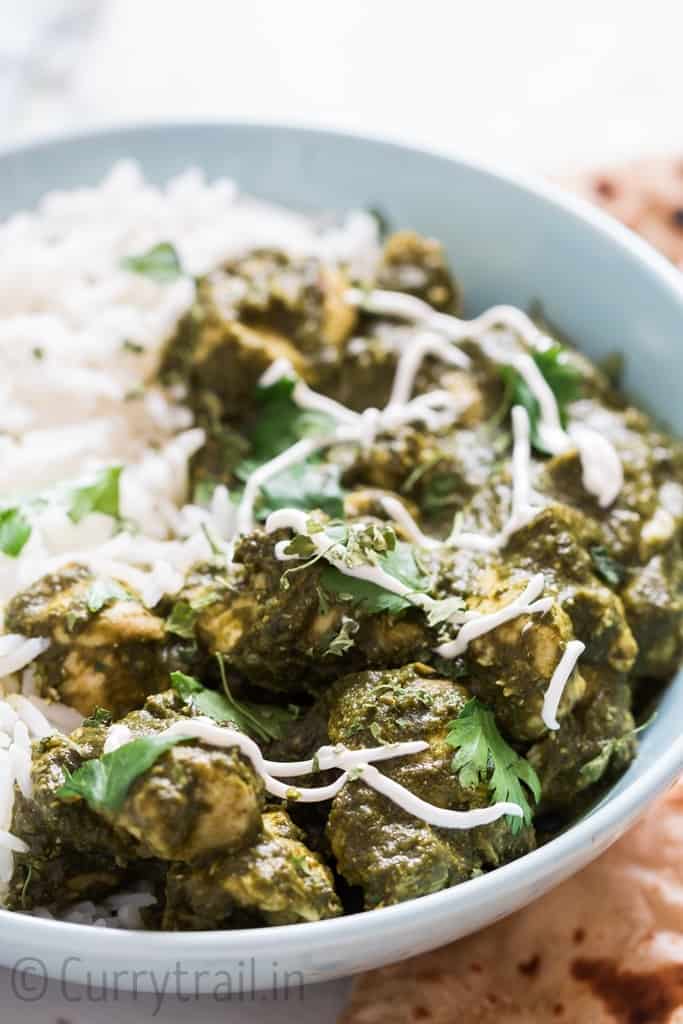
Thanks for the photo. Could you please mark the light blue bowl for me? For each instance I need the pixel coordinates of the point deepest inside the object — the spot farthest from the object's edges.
(509, 241)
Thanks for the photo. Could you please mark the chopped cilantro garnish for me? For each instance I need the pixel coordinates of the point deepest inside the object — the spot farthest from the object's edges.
(15, 530)
(182, 620)
(100, 716)
(344, 640)
(103, 592)
(562, 376)
(441, 611)
(184, 614)
(399, 562)
(104, 781)
(102, 495)
(161, 263)
(482, 755)
(262, 721)
(308, 485)
(607, 567)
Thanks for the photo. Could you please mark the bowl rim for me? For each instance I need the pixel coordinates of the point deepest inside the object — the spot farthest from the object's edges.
(602, 821)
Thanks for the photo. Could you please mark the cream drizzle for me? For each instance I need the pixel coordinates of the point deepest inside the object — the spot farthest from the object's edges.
(602, 469)
(525, 603)
(354, 765)
(558, 682)
(521, 511)
(402, 517)
(436, 409)
(476, 623)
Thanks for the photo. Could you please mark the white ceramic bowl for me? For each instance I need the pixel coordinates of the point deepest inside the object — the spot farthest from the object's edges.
(509, 241)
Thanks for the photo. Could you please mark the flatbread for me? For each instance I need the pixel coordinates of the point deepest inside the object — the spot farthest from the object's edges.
(647, 196)
(605, 946)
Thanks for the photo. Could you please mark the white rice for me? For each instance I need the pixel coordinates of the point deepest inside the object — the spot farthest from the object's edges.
(74, 399)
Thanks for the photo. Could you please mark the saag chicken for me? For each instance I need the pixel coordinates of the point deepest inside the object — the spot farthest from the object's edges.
(453, 577)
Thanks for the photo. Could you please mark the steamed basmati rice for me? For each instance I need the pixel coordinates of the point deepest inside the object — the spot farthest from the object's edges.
(80, 337)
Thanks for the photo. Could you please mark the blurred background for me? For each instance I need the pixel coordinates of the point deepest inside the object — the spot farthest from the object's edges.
(543, 86)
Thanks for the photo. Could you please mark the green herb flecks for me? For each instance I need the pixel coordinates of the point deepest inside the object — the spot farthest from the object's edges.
(344, 640)
(100, 716)
(160, 263)
(483, 756)
(607, 567)
(104, 782)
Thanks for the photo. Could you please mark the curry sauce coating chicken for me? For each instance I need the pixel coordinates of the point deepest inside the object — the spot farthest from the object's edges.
(276, 880)
(417, 265)
(641, 531)
(107, 650)
(275, 629)
(594, 744)
(192, 802)
(557, 542)
(392, 855)
(250, 312)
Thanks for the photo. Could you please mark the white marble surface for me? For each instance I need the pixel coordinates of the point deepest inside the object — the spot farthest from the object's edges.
(544, 87)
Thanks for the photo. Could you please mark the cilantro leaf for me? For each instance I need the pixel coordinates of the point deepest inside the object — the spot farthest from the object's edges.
(442, 611)
(161, 263)
(281, 423)
(372, 599)
(100, 716)
(262, 721)
(563, 378)
(15, 530)
(102, 495)
(343, 641)
(103, 592)
(606, 567)
(309, 485)
(482, 755)
(182, 620)
(104, 781)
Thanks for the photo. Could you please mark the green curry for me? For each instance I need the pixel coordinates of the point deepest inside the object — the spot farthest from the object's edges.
(291, 639)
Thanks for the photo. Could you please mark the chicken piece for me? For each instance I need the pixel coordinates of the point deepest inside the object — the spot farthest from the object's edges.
(594, 744)
(390, 854)
(278, 636)
(107, 650)
(190, 803)
(300, 299)
(249, 313)
(651, 499)
(66, 878)
(193, 800)
(510, 667)
(418, 465)
(641, 531)
(417, 265)
(277, 880)
(558, 542)
(653, 599)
